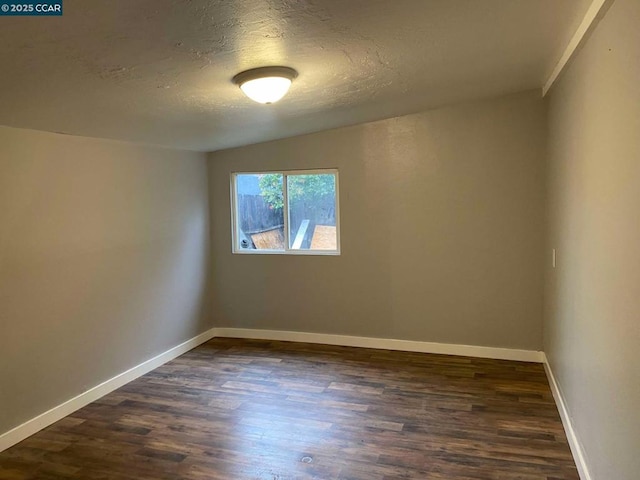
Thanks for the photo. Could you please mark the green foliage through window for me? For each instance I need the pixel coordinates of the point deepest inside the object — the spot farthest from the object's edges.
(271, 189)
(311, 187)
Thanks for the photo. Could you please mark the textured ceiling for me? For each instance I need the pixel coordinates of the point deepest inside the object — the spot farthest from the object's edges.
(159, 71)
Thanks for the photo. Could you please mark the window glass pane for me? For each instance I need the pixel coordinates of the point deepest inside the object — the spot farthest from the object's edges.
(312, 212)
(260, 213)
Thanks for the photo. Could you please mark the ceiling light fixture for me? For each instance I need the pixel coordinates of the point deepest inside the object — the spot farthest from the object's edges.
(265, 84)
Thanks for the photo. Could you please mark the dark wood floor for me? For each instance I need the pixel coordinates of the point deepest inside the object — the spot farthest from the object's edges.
(237, 409)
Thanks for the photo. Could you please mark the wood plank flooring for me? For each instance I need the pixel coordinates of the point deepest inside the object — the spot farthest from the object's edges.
(246, 409)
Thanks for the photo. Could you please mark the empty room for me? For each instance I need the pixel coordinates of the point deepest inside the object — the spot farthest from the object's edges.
(319, 239)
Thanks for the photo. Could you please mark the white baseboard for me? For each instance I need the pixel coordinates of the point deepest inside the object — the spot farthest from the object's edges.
(384, 343)
(36, 424)
(574, 443)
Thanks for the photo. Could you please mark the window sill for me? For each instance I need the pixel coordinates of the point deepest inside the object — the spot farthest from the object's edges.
(313, 253)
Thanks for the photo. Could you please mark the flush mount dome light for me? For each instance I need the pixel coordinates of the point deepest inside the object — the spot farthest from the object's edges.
(265, 84)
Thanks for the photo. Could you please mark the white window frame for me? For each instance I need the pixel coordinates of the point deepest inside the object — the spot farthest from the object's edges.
(235, 247)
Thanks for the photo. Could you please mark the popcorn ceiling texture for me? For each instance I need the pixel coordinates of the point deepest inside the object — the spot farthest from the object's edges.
(159, 71)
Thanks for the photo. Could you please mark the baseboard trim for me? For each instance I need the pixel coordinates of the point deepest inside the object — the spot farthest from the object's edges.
(21, 432)
(575, 445)
(36, 424)
(384, 344)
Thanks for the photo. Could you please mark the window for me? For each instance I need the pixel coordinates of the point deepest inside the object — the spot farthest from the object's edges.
(286, 212)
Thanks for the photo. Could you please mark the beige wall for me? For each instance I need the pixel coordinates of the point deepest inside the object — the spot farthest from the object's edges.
(442, 219)
(103, 254)
(592, 328)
